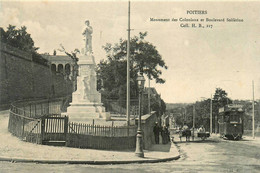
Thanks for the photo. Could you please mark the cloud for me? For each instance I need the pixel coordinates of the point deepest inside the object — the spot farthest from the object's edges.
(48, 37)
(9, 16)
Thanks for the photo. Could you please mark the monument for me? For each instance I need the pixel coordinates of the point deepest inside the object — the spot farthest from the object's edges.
(86, 100)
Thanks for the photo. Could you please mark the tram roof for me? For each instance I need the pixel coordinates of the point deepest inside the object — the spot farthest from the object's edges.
(231, 107)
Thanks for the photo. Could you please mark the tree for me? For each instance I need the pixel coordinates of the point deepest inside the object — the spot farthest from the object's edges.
(111, 73)
(18, 38)
(75, 59)
(22, 40)
(220, 99)
(72, 55)
(202, 110)
(248, 108)
(157, 104)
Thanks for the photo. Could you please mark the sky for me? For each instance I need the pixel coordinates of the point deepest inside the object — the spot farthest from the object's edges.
(224, 54)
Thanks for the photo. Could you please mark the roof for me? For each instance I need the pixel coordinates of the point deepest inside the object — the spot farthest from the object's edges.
(231, 107)
(57, 58)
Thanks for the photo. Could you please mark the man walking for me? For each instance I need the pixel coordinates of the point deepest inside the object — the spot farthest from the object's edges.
(156, 131)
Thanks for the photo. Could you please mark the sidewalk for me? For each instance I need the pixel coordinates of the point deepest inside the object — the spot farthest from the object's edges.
(255, 141)
(15, 150)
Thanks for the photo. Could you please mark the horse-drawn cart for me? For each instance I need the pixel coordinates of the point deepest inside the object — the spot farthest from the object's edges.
(203, 135)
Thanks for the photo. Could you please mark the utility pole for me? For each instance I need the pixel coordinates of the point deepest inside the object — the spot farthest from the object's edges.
(185, 116)
(149, 98)
(253, 113)
(159, 98)
(128, 70)
(193, 122)
(183, 120)
(211, 114)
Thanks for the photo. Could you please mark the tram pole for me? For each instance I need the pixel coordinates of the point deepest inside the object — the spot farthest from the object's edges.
(149, 97)
(253, 112)
(128, 70)
(211, 114)
(193, 128)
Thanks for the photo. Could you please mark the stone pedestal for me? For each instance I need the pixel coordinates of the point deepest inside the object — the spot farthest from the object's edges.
(86, 100)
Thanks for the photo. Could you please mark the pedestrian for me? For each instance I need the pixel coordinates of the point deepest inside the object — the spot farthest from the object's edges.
(172, 139)
(165, 135)
(168, 134)
(185, 127)
(201, 129)
(180, 133)
(156, 131)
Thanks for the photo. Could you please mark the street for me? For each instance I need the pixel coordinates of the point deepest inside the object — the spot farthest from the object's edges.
(212, 155)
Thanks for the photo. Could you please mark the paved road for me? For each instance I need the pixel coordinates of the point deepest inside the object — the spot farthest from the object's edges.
(212, 155)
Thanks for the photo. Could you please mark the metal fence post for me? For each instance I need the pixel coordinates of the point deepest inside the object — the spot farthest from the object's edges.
(41, 110)
(42, 129)
(48, 107)
(112, 129)
(35, 109)
(66, 124)
(30, 110)
(23, 124)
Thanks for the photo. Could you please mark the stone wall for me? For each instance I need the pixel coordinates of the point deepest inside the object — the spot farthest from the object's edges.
(148, 122)
(100, 142)
(21, 78)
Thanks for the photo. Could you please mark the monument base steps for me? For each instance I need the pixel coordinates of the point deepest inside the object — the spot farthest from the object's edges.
(85, 112)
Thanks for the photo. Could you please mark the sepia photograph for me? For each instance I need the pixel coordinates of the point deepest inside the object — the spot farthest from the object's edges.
(129, 86)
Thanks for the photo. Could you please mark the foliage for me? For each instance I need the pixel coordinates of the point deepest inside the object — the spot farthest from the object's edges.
(163, 106)
(72, 55)
(184, 115)
(75, 69)
(157, 104)
(144, 56)
(248, 108)
(19, 38)
(112, 72)
(75, 59)
(220, 99)
(112, 80)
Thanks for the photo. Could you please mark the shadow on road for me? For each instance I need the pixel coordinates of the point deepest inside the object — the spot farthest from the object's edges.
(198, 141)
(243, 140)
(161, 147)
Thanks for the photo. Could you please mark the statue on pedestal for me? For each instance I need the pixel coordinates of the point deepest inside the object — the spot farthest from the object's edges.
(86, 100)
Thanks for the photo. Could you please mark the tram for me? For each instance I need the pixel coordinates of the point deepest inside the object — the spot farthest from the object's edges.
(231, 121)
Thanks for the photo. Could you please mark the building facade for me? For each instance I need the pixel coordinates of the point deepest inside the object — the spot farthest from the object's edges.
(64, 65)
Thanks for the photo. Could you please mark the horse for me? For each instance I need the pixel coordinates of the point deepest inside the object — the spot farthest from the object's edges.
(187, 134)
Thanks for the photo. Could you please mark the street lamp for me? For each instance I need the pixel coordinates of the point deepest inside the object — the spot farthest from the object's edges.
(139, 137)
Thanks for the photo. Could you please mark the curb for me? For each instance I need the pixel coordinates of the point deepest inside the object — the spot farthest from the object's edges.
(90, 162)
(16, 160)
